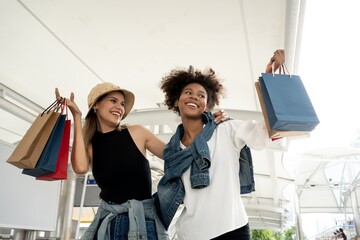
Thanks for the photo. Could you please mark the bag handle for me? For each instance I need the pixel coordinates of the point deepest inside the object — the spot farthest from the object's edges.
(50, 107)
(55, 106)
(282, 67)
(64, 105)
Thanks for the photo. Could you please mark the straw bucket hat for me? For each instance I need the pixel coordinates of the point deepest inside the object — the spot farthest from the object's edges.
(104, 88)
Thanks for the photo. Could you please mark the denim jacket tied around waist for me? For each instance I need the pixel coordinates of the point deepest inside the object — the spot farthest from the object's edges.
(137, 212)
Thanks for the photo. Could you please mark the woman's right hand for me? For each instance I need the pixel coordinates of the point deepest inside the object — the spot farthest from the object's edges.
(75, 111)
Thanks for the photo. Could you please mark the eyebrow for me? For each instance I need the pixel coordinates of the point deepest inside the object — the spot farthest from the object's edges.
(193, 90)
(112, 97)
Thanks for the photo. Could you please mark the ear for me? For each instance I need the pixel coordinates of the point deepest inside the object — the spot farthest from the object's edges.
(95, 107)
(176, 103)
(206, 108)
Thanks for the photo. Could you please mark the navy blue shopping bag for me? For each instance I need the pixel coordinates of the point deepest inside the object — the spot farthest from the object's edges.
(288, 106)
(49, 156)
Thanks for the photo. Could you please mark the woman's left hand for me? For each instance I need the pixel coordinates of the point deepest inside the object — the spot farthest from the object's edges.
(276, 61)
(220, 116)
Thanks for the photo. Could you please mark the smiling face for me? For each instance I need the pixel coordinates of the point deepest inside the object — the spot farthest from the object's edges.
(193, 100)
(110, 110)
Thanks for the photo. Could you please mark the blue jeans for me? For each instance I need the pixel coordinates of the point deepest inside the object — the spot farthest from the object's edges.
(120, 228)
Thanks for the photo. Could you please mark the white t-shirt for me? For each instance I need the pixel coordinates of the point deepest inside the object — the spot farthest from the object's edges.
(218, 208)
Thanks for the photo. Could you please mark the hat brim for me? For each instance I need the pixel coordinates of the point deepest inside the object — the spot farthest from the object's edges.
(129, 100)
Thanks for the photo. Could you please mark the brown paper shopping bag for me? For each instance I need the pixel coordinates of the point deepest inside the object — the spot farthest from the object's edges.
(30, 147)
(274, 134)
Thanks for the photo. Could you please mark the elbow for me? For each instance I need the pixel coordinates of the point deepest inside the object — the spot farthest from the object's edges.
(80, 169)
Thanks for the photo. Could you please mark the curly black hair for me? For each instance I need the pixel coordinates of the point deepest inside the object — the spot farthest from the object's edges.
(173, 84)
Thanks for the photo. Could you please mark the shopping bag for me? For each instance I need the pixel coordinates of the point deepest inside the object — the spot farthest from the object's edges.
(62, 161)
(48, 159)
(30, 147)
(287, 103)
(274, 134)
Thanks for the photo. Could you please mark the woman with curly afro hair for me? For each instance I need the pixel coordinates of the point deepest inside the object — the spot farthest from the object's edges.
(201, 168)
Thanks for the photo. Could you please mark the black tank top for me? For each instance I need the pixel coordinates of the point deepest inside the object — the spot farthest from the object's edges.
(119, 168)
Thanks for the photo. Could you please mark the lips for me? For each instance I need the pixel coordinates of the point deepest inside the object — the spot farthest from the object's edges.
(192, 105)
(116, 113)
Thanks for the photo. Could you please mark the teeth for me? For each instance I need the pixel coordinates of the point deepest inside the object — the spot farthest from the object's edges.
(192, 104)
(116, 113)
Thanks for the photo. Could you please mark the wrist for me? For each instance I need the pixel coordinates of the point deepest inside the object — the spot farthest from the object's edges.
(268, 67)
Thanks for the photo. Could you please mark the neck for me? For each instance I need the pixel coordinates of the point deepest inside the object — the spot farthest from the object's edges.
(105, 128)
(192, 128)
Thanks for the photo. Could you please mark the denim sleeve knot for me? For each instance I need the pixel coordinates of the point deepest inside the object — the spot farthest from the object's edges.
(171, 190)
(197, 155)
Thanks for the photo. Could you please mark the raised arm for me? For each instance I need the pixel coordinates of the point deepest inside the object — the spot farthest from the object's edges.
(80, 160)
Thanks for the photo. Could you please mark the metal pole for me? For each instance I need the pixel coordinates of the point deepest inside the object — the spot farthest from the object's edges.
(355, 207)
(19, 234)
(68, 205)
(30, 235)
(61, 210)
(23, 234)
(299, 231)
(86, 177)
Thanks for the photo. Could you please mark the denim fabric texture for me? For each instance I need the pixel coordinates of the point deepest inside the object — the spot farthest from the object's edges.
(120, 228)
(246, 171)
(138, 212)
(197, 155)
(171, 190)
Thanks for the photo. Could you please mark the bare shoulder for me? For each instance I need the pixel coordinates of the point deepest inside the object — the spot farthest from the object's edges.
(145, 139)
(139, 135)
(137, 129)
(139, 132)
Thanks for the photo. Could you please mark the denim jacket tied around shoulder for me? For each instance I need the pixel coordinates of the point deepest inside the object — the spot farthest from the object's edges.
(171, 190)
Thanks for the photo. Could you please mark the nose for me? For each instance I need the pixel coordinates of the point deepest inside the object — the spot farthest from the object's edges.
(119, 104)
(120, 107)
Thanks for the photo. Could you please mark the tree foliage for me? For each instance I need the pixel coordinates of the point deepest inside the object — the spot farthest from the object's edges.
(262, 234)
(289, 233)
(265, 234)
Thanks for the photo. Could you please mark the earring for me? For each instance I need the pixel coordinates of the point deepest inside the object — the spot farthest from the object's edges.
(94, 110)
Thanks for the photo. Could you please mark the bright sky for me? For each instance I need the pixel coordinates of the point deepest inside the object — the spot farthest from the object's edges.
(329, 66)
